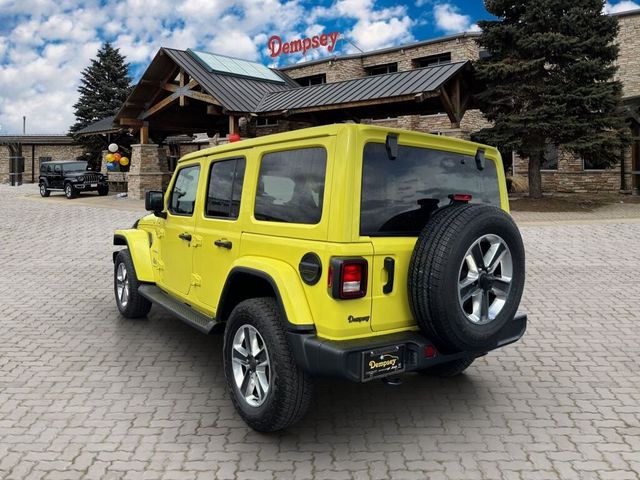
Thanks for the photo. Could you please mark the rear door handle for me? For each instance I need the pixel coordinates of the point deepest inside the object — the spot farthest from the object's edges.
(223, 244)
(390, 267)
(185, 236)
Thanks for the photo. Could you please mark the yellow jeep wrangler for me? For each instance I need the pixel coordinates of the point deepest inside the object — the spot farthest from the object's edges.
(350, 251)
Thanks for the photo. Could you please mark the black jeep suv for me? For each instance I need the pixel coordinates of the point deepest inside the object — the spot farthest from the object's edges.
(72, 177)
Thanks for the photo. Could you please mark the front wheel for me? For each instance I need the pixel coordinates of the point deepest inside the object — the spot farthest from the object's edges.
(125, 284)
(44, 191)
(268, 389)
(102, 191)
(70, 191)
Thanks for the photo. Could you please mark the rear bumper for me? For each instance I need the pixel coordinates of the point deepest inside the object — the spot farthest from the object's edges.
(344, 359)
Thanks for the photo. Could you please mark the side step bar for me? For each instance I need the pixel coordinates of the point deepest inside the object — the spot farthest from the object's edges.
(181, 310)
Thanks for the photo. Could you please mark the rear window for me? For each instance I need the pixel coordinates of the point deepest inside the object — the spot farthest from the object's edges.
(399, 196)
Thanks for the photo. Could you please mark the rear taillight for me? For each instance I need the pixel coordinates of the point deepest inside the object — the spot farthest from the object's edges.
(348, 277)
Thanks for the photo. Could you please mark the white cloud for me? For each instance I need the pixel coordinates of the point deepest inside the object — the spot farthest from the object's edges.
(623, 6)
(449, 19)
(45, 44)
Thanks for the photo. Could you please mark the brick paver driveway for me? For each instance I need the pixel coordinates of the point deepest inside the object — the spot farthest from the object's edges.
(85, 393)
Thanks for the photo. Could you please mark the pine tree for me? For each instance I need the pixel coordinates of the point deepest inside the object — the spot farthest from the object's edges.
(104, 86)
(549, 80)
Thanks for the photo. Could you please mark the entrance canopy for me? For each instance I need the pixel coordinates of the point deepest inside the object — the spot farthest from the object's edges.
(185, 92)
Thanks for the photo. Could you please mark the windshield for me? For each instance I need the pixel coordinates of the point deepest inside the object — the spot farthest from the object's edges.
(74, 167)
(399, 196)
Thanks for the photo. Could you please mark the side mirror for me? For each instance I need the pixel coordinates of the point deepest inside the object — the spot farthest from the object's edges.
(154, 202)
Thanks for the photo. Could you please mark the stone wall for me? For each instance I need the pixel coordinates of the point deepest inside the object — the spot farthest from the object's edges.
(463, 47)
(629, 55)
(571, 177)
(56, 152)
(148, 170)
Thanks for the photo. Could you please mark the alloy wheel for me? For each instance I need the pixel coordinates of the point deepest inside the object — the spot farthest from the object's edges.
(484, 280)
(122, 285)
(251, 365)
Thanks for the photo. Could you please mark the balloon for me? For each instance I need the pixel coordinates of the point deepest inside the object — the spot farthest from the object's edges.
(113, 148)
(234, 137)
(116, 157)
(111, 167)
(124, 161)
(109, 157)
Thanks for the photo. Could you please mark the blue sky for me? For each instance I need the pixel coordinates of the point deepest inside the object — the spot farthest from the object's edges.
(45, 44)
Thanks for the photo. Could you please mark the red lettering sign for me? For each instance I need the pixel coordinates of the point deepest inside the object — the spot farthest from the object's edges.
(277, 46)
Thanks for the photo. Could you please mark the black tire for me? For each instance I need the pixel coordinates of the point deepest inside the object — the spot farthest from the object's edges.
(102, 191)
(70, 191)
(136, 306)
(44, 191)
(448, 369)
(435, 272)
(289, 391)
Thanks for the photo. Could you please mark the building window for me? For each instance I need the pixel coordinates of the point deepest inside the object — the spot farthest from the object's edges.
(550, 158)
(382, 69)
(432, 60)
(312, 80)
(483, 54)
(592, 164)
(266, 122)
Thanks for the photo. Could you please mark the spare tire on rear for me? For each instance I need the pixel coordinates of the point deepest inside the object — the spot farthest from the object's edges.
(466, 276)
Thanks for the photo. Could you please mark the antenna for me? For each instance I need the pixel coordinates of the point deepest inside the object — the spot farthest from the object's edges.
(342, 37)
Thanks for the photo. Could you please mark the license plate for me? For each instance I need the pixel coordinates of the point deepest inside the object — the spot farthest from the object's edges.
(382, 362)
(94, 185)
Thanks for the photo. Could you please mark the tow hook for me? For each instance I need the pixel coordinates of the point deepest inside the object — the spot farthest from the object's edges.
(392, 381)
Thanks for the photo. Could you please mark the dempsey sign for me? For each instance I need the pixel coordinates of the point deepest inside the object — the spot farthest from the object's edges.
(277, 46)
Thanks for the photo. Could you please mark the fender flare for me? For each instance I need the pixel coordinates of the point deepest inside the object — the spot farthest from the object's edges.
(286, 284)
(137, 241)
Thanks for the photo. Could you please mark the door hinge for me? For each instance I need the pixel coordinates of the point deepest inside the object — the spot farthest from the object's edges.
(196, 280)
(196, 241)
(157, 263)
(161, 233)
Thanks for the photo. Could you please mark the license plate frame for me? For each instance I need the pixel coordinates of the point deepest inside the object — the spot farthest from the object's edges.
(382, 362)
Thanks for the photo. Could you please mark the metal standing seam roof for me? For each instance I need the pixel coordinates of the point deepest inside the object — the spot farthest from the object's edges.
(104, 125)
(235, 93)
(398, 84)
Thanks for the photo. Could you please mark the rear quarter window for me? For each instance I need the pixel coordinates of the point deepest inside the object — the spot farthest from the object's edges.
(399, 196)
(291, 186)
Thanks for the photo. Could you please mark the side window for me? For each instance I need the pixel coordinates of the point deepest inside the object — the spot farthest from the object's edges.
(57, 168)
(291, 186)
(225, 188)
(185, 188)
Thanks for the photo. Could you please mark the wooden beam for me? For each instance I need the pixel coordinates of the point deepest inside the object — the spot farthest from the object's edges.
(449, 108)
(158, 106)
(182, 80)
(131, 122)
(144, 133)
(203, 97)
(234, 125)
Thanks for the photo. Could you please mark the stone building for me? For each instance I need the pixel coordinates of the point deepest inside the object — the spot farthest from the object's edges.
(426, 86)
(35, 150)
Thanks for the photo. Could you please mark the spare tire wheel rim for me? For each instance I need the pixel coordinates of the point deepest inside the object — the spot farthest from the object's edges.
(484, 280)
(251, 365)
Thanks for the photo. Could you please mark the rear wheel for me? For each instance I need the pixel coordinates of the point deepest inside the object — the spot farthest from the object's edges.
(70, 191)
(268, 389)
(125, 283)
(44, 191)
